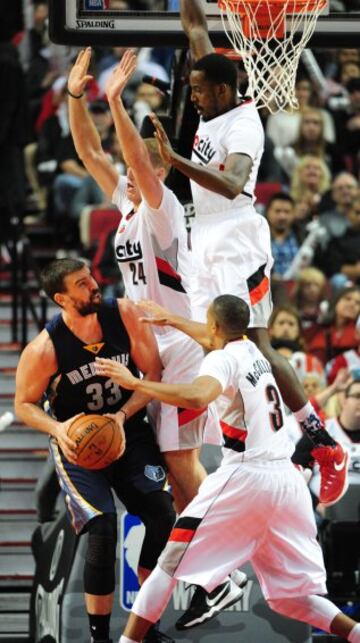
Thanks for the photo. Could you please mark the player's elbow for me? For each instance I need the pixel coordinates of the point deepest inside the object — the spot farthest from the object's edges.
(197, 398)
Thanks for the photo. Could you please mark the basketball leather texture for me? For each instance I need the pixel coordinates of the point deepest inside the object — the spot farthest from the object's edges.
(98, 439)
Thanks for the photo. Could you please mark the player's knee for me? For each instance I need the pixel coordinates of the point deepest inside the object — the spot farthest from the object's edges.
(158, 517)
(181, 464)
(99, 571)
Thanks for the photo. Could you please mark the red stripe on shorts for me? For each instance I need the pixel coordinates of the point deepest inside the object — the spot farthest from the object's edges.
(182, 535)
(256, 294)
(188, 415)
(164, 266)
(232, 432)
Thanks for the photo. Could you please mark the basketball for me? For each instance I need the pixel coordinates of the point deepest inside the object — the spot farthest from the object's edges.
(98, 439)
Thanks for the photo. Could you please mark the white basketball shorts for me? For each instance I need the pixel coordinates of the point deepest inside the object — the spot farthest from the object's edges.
(231, 255)
(255, 511)
(176, 428)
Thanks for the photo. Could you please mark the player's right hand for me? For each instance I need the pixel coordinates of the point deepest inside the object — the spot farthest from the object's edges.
(79, 77)
(155, 314)
(67, 446)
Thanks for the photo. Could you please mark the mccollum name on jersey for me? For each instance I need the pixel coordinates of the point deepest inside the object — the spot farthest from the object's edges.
(261, 366)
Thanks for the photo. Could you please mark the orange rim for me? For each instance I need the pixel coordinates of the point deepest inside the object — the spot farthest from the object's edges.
(296, 6)
(269, 16)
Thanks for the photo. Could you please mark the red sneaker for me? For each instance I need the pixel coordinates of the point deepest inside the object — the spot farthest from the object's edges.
(333, 462)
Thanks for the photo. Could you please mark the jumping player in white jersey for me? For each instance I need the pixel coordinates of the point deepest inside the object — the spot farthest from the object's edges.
(230, 241)
(255, 491)
(152, 253)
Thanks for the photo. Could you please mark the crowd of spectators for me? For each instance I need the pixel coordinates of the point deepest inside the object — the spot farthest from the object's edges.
(308, 190)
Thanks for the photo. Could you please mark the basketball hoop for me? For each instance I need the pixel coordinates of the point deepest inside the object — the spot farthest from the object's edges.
(270, 36)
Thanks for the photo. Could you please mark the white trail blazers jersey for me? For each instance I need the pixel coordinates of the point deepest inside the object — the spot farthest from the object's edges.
(152, 252)
(238, 131)
(253, 417)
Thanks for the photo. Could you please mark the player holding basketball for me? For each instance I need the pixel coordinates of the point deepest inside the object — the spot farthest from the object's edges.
(230, 241)
(59, 362)
(256, 506)
(152, 253)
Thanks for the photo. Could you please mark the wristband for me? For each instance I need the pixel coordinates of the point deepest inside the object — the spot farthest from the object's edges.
(73, 95)
(124, 412)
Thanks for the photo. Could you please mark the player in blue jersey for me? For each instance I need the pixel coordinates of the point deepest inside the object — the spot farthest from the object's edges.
(59, 362)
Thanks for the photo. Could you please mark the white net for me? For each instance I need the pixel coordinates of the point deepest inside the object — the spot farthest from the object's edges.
(269, 50)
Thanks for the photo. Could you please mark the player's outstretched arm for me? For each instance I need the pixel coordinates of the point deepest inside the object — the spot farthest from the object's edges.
(36, 366)
(159, 316)
(85, 135)
(144, 352)
(195, 395)
(194, 23)
(133, 147)
(229, 182)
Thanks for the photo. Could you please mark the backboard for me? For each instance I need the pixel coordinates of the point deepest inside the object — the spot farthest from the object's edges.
(105, 22)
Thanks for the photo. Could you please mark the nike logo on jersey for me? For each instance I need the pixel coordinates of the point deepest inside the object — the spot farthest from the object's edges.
(210, 602)
(128, 251)
(203, 149)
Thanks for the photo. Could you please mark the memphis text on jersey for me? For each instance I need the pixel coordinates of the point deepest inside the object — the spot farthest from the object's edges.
(86, 371)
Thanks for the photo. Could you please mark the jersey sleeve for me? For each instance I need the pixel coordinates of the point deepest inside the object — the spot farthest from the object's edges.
(119, 197)
(245, 136)
(220, 366)
(166, 222)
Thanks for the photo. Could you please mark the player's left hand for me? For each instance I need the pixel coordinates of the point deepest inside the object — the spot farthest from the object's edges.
(117, 372)
(119, 419)
(166, 151)
(121, 75)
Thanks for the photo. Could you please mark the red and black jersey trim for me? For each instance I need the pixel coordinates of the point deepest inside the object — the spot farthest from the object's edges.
(168, 276)
(188, 415)
(233, 438)
(258, 284)
(184, 529)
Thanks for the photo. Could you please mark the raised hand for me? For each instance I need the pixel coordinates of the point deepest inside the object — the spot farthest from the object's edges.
(121, 75)
(155, 314)
(165, 149)
(79, 77)
(117, 372)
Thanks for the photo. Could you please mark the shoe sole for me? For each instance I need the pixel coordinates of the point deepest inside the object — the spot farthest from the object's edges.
(214, 611)
(345, 487)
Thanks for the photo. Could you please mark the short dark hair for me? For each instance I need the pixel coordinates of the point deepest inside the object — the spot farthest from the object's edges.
(218, 69)
(53, 275)
(232, 314)
(279, 196)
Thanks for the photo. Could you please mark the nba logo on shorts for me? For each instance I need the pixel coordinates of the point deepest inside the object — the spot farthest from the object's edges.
(132, 535)
(91, 5)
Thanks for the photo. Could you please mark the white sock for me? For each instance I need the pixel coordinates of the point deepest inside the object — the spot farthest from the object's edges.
(124, 639)
(303, 413)
(354, 636)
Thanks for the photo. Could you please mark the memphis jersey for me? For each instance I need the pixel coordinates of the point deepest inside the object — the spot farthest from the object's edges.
(238, 131)
(75, 387)
(151, 249)
(253, 415)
